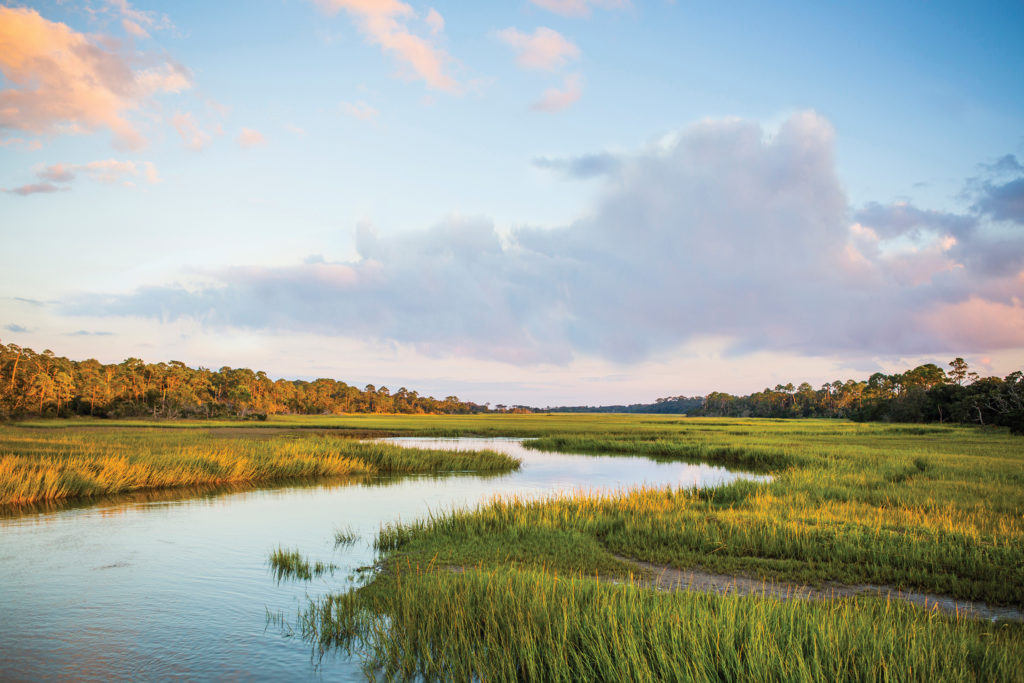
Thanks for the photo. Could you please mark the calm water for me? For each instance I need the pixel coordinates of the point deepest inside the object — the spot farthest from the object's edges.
(180, 588)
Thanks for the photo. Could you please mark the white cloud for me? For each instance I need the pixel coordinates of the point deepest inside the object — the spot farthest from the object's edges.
(728, 231)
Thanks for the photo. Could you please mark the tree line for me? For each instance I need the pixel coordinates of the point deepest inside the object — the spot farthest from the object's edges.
(44, 385)
(926, 393)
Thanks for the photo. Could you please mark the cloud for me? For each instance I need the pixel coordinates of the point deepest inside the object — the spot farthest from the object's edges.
(385, 23)
(88, 333)
(1002, 202)
(554, 99)
(434, 21)
(360, 110)
(133, 20)
(191, 135)
(15, 328)
(544, 49)
(579, 8)
(108, 171)
(728, 231)
(60, 80)
(31, 145)
(36, 188)
(584, 166)
(249, 138)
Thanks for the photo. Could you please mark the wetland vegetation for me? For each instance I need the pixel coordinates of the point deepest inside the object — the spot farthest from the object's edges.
(508, 590)
(549, 589)
(41, 464)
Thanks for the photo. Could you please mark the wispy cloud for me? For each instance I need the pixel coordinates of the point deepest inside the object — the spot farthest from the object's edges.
(359, 110)
(544, 49)
(37, 188)
(558, 99)
(61, 80)
(386, 23)
(579, 8)
(15, 328)
(58, 177)
(584, 166)
(191, 134)
(250, 137)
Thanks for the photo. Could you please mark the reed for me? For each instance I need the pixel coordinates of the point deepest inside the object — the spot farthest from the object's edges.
(510, 625)
(40, 465)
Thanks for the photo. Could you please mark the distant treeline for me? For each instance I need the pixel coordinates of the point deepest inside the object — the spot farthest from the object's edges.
(669, 404)
(925, 394)
(44, 385)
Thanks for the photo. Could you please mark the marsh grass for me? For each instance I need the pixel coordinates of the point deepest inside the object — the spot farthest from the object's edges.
(501, 591)
(46, 465)
(513, 625)
(291, 564)
(345, 537)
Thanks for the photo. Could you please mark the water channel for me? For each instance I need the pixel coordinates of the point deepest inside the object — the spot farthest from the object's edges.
(177, 585)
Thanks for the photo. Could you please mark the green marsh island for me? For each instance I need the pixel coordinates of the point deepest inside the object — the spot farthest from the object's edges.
(829, 550)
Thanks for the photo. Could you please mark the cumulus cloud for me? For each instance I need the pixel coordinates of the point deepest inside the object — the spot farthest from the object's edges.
(579, 8)
(250, 137)
(108, 171)
(60, 80)
(544, 49)
(728, 231)
(558, 99)
(359, 110)
(386, 23)
(584, 166)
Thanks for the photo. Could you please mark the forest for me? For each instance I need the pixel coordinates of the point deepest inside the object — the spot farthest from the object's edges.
(926, 393)
(44, 385)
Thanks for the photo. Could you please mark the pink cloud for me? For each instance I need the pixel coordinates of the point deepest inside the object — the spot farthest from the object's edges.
(188, 129)
(108, 171)
(556, 100)
(579, 8)
(134, 29)
(383, 22)
(36, 188)
(977, 324)
(544, 49)
(359, 110)
(434, 21)
(249, 137)
(63, 80)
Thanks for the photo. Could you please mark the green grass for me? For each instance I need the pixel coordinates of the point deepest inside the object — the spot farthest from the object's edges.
(510, 625)
(48, 464)
(345, 537)
(290, 564)
(932, 509)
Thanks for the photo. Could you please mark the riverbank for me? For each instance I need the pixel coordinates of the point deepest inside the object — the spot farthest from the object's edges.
(70, 463)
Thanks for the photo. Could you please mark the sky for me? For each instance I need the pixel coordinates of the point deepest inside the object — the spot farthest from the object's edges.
(542, 202)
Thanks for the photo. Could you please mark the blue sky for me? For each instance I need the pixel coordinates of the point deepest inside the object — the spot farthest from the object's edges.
(539, 201)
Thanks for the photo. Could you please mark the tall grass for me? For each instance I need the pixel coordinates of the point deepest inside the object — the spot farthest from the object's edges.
(500, 592)
(509, 625)
(39, 465)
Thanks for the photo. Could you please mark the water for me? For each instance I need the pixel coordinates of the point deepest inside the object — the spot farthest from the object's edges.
(178, 587)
